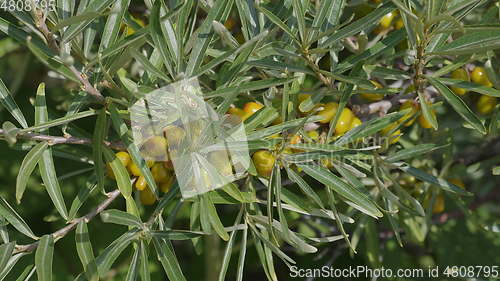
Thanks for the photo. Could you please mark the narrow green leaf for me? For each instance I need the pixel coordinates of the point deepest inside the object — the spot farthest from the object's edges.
(133, 270)
(417, 150)
(291, 238)
(276, 250)
(50, 60)
(148, 66)
(85, 252)
(46, 162)
(49, 177)
(470, 43)
(362, 24)
(241, 259)
(304, 186)
(120, 172)
(371, 127)
(166, 256)
(277, 21)
(75, 29)
(120, 217)
(470, 86)
(27, 167)
(124, 133)
(213, 217)
(43, 258)
(121, 45)
(144, 262)
(443, 184)
(280, 65)
(6, 253)
(360, 200)
(106, 259)
(229, 250)
(26, 274)
(10, 264)
(97, 140)
(9, 103)
(427, 111)
(112, 27)
(327, 15)
(177, 234)
(390, 41)
(248, 86)
(76, 19)
(59, 121)
(459, 105)
(4, 234)
(82, 196)
(7, 212)
(204, 35)
(160, 41)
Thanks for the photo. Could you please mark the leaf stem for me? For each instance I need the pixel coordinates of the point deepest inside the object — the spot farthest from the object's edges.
(52, 140)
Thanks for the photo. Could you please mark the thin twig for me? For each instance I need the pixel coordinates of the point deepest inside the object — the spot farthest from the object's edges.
(65, 230)
(53, 45)
(52, 140)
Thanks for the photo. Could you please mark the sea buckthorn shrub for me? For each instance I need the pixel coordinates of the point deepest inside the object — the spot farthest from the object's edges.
(371, 130)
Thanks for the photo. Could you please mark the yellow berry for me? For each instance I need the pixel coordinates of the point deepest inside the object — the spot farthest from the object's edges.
(237, 112)
(250, 108)
(423, 121)
(147, 197)
(372, 96)
(175, 135)
(479, 76)
(134, 170)
(296, 139)
(355, 122)
(486, 104)
(328, 112)
(438, 204)
(458, 182)
(277, 121)
(264, 162)
(131, 30)
(155, 146)
(141, 183)
(160, 173)
(394, 137)
(230, 23)
(314, 135)
(240, 37)
(460, 74)
(165, 186)
(399, 24)
(302, 98)
(344, 123)
(385, 22)
(408, 116)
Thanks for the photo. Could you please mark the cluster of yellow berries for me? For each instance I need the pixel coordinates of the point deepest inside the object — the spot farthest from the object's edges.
(161, 171)
(485, 104)
(264, 160)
